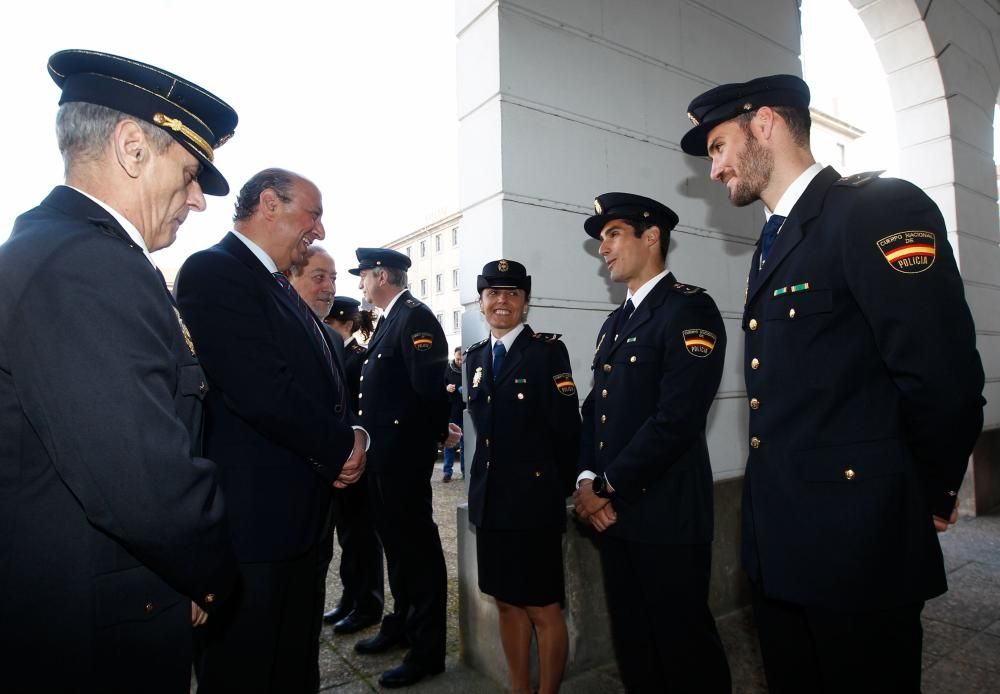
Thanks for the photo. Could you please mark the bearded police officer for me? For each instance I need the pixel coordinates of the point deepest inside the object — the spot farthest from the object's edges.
(864, 387)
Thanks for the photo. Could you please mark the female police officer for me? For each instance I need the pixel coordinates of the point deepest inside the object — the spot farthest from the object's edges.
(523, 403)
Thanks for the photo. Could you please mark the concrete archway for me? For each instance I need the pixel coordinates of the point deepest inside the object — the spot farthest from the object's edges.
(943, 67)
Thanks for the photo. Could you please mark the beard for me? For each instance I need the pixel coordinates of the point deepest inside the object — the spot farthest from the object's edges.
(756, 163)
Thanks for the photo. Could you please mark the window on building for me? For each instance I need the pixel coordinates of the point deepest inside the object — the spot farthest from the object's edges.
(423, 248)
(456, 321)
(454, 236)
(454, 278)
(437, 242)
(439, 283)
(423, 287)
(440, 318)
(408, 251)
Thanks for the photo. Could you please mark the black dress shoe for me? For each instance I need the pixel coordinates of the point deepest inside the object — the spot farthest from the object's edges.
(406, 674)
(380, 643)
(337, 614)
(356, 621)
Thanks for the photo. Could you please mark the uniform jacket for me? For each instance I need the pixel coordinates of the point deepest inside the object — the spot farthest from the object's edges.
(402, 402)
(644, 419)
(864, 387)
(354, 355)
(527, 423)
(110, 521)
(456, 400)
(278, 424)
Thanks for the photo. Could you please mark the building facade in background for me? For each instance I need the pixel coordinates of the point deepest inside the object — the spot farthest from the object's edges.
(434, 275)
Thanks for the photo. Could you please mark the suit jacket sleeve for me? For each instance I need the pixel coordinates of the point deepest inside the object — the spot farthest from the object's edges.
(924, 331)
(564, 415)
(425, 368)
(224, 303)
(103, 376)
(687, 390)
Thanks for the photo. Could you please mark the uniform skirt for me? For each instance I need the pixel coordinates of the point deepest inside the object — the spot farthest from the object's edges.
(521, 567)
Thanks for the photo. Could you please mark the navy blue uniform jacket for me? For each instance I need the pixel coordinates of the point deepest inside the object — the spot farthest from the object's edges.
(277, 425)
(527, 423)
(110, 522)
(644, 420)
(402, 403)
(864, 387)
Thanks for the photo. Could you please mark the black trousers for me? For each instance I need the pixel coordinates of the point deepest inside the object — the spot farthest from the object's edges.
(809, 650)
(418, 578)
(361, 569)
(268, 639)
(664, 634)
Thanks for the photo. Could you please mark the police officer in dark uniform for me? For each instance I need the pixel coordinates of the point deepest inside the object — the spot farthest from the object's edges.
(524, 406)
(864, 387)
(402, 404)
(114, 537)
(645, 478)
(361, 571)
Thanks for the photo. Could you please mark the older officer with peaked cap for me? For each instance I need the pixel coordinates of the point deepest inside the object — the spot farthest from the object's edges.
(864, 387)
(645, 479)
(404, 407)
(523, 403)
(111, 521)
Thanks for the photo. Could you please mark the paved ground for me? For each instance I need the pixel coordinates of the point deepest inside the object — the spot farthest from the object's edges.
(961, 638)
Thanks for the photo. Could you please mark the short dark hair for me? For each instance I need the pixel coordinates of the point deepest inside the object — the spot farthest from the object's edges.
(640, 227)
(278, 180)
(797, 119)
(457, 350)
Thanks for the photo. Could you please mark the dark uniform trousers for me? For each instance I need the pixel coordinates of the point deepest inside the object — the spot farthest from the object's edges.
(644, 428)
(405, 410)
(864, 387)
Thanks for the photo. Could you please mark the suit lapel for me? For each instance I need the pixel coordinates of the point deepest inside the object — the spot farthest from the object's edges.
(793, 230)
(386, 321)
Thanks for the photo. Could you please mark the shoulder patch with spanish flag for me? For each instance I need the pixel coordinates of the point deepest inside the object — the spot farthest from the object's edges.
(909, 252)
(564, 384)
(422, 341)
(698, 342)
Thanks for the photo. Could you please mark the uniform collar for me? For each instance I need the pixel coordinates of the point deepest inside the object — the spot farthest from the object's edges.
(643, 291)
(508, 339)
(794, 192)
(129, 228)
(385, 312)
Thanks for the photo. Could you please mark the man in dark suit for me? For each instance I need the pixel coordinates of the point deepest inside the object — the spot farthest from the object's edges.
(361, 570)
(404, 407)
(113, 539)
(864, 386)
(645, 480)
(279, 428)
(453, 386)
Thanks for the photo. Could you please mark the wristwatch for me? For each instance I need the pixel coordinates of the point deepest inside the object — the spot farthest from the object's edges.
(599, 486)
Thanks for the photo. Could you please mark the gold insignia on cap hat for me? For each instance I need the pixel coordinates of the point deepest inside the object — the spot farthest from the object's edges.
(597, 206)
(177, 125)
(747, 106)
(645, 214)
(693, 118)
(503, 266)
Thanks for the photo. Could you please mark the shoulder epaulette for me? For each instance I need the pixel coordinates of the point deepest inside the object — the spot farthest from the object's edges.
(357, 349)
(412, 303)
(687, 289)
(478, 345)
(859, 179)
(546, 337)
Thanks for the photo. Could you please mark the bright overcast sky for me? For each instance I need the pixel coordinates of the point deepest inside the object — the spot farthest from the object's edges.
(357, 96)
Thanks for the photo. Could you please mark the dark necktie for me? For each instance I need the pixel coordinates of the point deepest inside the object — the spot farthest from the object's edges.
(768, 235)
(623, 317)
(310, 319)
(499, 352)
